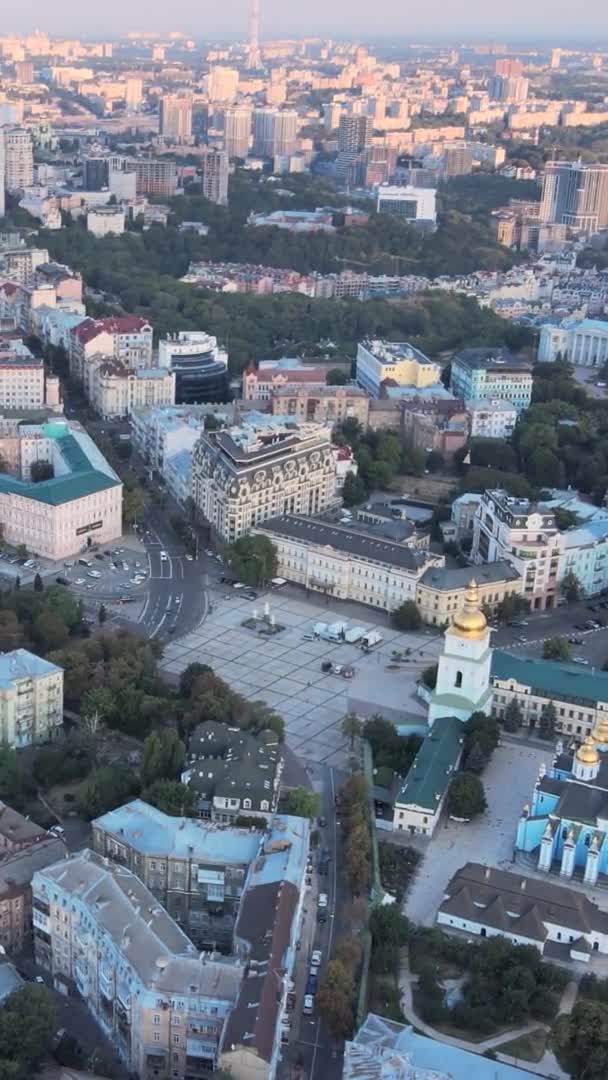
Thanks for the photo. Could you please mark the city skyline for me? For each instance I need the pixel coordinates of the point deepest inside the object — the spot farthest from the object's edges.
(545, 21)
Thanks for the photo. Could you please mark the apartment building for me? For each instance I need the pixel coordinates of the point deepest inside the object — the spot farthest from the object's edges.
(114, 391)
(416, 206)
(233, 772)
(575, 193)
(346, 563)
(153, 176)
(17, 868)
(262, 379)
(215, 166)
(491, 373)
(20, 264)
(268, 466)
(98, 929)
(161, 433)
(320, 403)
(106, 221)
(31, 699)
(18, 159)
(491, 418)
(17, 832)
(54, 518)
(524, 534)
(196, 868)
(580, 697)
(22, 384)
(583, 342)
(441, 591)
(381, 363)
(127, 338)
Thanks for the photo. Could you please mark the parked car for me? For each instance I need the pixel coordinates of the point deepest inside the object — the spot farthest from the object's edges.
(62, 581)
(308, 1005)
(322, 900)
(163, 556)
(315, 958)
(580, 660)
(575, 641)
(80, 581)
(99, 556)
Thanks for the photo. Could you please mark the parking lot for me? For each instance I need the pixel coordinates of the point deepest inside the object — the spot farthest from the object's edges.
(285, 670)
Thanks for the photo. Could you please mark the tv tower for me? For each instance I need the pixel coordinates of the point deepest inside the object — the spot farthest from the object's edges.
(254, 59)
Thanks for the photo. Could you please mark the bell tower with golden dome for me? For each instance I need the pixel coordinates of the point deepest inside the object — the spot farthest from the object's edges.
(463, 671)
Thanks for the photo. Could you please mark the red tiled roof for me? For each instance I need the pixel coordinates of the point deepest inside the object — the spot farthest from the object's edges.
(9, 287)
(117, 324)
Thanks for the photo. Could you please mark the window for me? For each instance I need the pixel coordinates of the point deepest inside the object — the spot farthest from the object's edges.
(176, 1039)
(156, 1018)
(458, 679)
(157, 1036)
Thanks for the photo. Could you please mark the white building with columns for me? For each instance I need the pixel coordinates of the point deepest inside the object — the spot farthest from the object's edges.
(583, 343)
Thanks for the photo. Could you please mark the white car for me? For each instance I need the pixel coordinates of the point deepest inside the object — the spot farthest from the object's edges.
(239, 585)
(163, 556)
(94, 573)
(322, 900)
(309, 1004)
(189, 558)
(136, 580)
(209, 554)
(315, 958)
(80, 581)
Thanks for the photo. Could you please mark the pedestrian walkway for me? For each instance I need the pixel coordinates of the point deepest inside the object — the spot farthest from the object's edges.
(547, 1066)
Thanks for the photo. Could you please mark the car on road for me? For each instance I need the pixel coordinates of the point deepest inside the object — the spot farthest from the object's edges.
(189, 558)
(173, 628)
(308, 1005)
(80, 581)
(163, 556)
(94, 574)
(312, 981)
(238, 584)
(68, 565)
(209, 554)
(249, 596)
(62, 581)
(316, 957)
(89, 587)
(322, 822)
(575, 641)
(99, 556)
(57, 830)
(519, 623)
(580, 660)
(322, 900)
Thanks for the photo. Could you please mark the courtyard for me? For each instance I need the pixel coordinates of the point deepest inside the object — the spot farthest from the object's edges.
(285, 670)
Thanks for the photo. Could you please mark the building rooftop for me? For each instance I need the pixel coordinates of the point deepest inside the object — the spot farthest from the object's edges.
(21, 664)
(80, 469)
(148, 938)
(560, 681)
(430, 774)
(18, 867)
(18, 829)
(392, 352)
(515, 904)
(385, 1050)
(228, 762)
(152, 832)
(346, 540)
(446, 578)
(492, 359)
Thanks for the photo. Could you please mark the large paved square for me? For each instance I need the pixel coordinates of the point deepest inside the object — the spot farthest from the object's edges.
(285, 671)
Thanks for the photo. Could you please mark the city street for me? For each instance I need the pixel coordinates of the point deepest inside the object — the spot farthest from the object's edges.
(559, 622)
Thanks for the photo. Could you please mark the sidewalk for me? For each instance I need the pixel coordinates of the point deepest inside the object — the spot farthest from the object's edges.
(547, 1066)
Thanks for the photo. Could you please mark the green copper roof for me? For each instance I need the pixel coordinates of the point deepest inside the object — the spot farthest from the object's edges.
(434, 764)
(82, 479)
(551, 679)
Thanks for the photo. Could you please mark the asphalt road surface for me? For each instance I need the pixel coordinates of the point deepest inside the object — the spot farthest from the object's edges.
(566, 621)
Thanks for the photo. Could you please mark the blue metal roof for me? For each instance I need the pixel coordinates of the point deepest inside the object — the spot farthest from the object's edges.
(21, 664)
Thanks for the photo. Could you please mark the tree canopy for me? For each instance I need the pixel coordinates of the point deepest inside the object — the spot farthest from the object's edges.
(253, 559)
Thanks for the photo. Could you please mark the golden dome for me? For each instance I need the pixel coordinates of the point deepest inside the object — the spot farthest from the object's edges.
(600, 731)
(470, 622)
(587, 753)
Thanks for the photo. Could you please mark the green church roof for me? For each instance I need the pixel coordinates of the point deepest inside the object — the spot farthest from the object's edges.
(552, 679)
(434, 764)
(81, 480)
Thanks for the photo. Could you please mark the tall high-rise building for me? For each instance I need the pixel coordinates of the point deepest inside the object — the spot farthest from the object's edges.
(508, 88)
(354, 134)
(24, 72)
(263, 131)
(237, 131)
(18, 159)
(222, 83)
(285, 132)
(175, 118)
(575, 194)
(2, 169)
(133, 92)
(508, 66)
(215, 175)
(95, 173)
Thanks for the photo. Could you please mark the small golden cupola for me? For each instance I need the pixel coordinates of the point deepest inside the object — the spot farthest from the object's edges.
(471, 622)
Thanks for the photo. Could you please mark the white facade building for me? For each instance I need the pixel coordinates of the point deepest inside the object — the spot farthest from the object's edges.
(491, 418)
(114, 391)
(268, 466)
(161, 433)
(18, 159)
(344, 563)
(21, 377)
(583, 343)
(106, 221)
(410, 204)
(31, 699)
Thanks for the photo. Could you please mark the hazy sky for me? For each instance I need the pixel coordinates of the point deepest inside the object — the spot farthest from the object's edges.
(342, 18)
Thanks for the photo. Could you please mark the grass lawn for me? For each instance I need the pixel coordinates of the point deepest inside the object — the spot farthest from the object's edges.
(529, 1047)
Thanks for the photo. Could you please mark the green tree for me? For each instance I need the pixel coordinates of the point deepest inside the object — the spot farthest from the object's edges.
(571, 587)
(354, 490)
(429, 676)
(27, 1025)
(484, 731)
(388, 926)
(38, 584)
(102, 614)
(50, 631)
(556, 648)
(21, 551)
(302, 802)
(101, 701)
(106, 788)
(253, 559)
(407, 616)
(548, 720)
(163, 756)
(512, 606)
(514, 717)
(466, 796)
(189, 677)
(351, 727)
(337, 377)
(133, 504)
(15, 784)
(334, 999)
(475, 760)
(171, 797)
(580, 1040)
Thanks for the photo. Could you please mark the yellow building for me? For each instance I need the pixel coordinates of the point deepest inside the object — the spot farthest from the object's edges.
(394, 363)
(440, 592)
